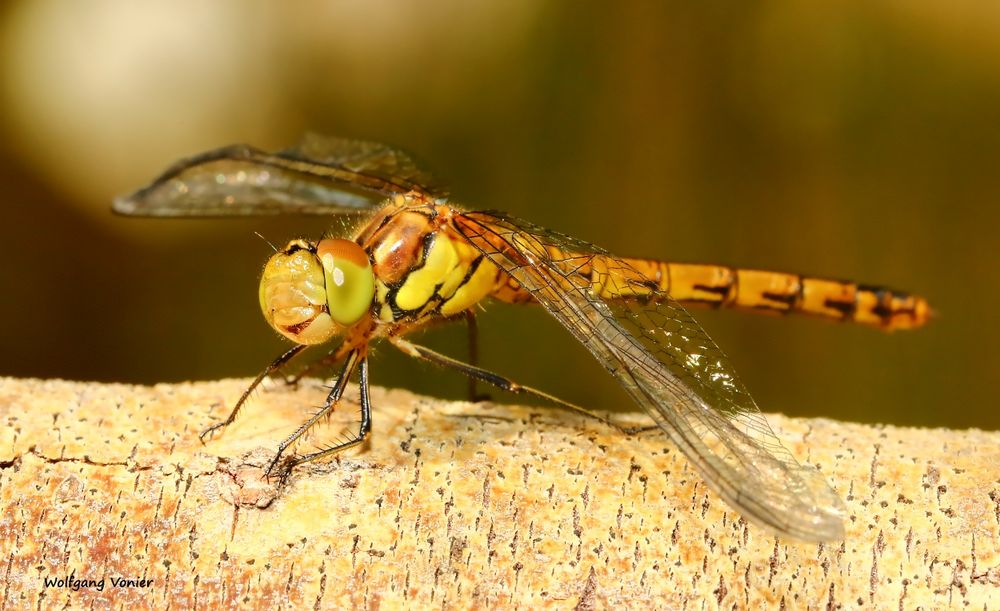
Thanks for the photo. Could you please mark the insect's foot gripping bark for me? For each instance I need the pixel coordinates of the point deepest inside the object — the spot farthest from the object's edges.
(208, 432)
(281, 474)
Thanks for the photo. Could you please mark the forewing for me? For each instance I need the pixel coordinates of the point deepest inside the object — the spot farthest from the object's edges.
(320, 175)
(670, 367)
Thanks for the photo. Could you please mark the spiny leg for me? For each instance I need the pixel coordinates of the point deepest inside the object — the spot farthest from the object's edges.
(473, 334)
(275, 364)
(363, 430)
(322, 363)
(504, 383)
(331, 400)
(329, 360)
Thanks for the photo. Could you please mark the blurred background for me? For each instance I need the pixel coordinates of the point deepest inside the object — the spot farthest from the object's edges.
(849, 139)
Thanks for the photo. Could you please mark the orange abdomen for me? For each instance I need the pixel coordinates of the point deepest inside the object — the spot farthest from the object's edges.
(751, 290)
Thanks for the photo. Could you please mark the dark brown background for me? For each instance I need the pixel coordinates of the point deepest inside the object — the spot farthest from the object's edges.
(855, 140)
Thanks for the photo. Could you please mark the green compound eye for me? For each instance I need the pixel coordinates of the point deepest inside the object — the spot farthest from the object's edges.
(350, 283)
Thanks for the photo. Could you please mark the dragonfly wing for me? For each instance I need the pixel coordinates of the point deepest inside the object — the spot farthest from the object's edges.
(318, 176)
(669, 365)
(397, 170)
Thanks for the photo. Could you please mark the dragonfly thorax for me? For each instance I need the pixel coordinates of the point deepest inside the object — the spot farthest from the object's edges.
(311, 291)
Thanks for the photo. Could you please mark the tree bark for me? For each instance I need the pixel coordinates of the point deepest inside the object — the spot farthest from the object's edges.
(454, 504)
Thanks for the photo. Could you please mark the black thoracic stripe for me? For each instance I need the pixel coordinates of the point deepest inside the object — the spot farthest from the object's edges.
(385, 221)
(425, 248)
(465, 279)
(398, 312)
(472, 270)
(429, 240)
(390, 298)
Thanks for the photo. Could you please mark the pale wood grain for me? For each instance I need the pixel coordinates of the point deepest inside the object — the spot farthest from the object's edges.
(459, 505)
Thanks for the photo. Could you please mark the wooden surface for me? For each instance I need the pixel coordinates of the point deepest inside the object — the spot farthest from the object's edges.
(458, 505)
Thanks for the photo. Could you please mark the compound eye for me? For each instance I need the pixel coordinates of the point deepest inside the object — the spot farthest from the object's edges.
(350, 282)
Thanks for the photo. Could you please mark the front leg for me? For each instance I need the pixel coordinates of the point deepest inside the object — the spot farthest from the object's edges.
(323, 363)
(331, 401)
(363, 430)
(275, 364)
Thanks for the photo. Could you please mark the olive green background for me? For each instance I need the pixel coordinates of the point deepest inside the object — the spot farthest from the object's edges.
(856, 140)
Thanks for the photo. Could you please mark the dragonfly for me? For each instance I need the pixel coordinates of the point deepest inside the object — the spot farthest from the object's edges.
(414, 259)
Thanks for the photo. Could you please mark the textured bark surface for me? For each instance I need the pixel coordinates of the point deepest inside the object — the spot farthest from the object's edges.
(457, 505)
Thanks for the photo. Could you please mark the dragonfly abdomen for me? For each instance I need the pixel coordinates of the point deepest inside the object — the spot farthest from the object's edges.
(782, 293)
(752, 290)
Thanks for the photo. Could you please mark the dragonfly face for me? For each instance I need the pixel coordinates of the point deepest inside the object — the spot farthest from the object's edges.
(418, 257)
(308, 292)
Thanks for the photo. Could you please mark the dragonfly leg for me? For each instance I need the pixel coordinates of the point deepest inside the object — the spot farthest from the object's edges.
(470, 322)
(327, 361)
(331, 401)
(505, 383)
(363, 429)
(275, 364)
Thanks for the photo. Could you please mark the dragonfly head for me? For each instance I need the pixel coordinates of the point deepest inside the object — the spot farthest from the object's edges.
(310, 291)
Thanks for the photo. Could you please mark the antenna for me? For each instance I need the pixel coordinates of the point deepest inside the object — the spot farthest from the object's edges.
(266, 241)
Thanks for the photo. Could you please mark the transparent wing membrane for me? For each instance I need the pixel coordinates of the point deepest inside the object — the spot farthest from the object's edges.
(397, 170)
(318, 176)
(670, 367)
